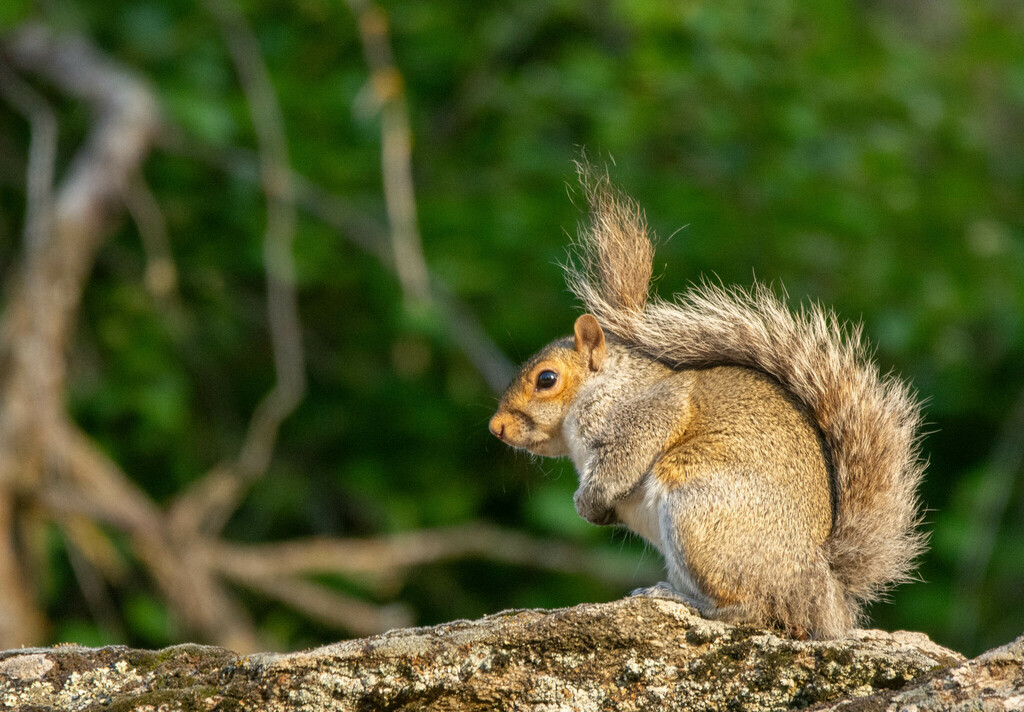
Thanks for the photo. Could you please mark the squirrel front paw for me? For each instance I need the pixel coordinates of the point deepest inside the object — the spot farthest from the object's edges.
(594, 508)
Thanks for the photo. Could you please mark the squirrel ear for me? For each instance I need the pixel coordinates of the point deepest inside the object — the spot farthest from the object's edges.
(590, 341)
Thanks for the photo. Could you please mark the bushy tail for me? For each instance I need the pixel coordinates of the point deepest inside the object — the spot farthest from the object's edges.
(870, 422)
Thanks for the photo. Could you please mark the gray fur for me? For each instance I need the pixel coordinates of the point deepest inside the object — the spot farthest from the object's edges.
(870, 423)
(631, 393)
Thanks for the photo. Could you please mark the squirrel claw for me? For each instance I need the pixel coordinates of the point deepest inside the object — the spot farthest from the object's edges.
(659, 590)
(665, 592)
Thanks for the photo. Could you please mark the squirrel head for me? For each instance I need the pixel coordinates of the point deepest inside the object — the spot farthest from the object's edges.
(533, 408)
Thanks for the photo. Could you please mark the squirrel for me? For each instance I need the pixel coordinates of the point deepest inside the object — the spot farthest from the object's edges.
(758, 449)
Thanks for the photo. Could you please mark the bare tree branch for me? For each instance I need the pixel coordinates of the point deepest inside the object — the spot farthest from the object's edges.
(370, 235)
(125, 123)
(106, 494)
(62, 475)
(479, 348)
(211, 501)
(396, 151)
(63, 232)
(330, 607)
(88, 575)
(42, 154)
(275, 169)
(161, 274)
(19, 616)
(401, 551)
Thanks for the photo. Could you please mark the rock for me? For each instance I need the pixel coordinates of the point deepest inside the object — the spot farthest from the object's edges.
(632, 654)
(992, 681)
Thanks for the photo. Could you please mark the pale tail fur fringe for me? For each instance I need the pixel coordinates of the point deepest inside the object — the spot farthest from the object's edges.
(870, 423)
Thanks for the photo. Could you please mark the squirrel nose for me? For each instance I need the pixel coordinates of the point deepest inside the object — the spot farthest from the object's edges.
(497, 428)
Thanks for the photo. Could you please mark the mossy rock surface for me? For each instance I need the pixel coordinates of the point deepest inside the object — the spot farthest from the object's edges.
(633, 654)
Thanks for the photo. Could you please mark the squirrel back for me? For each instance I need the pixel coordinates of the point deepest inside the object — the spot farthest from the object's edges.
(869, 422)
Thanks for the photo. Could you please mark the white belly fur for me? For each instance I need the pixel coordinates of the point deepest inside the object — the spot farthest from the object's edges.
(640, 512)
(646, 512)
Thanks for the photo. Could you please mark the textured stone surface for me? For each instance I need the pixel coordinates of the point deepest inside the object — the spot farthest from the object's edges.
(633, 654)
(994, 681)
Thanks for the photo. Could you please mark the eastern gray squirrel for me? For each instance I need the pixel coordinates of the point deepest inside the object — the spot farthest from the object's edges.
(758, 449)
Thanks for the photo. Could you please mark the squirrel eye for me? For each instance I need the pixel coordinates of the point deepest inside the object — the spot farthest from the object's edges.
(546, 379)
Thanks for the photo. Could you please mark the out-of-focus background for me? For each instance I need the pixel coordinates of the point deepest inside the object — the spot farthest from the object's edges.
(266, 266)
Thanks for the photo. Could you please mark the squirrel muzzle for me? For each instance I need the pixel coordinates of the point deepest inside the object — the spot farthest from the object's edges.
(499, 421)
(532, 410)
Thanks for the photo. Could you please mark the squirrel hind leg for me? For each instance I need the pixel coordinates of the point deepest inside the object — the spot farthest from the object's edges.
(771, 574)
(819, 619)
(816, 620)
(737, 613)
(755, 613)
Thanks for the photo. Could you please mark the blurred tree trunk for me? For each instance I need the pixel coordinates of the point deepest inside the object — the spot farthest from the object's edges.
(64, 227)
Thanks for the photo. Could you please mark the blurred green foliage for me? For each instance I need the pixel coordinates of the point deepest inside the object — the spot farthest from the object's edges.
(867, 155)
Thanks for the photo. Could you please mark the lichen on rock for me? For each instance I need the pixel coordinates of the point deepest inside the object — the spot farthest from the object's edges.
(633, 654)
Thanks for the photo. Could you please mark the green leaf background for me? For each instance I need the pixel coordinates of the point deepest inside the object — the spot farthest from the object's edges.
(866, 155)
